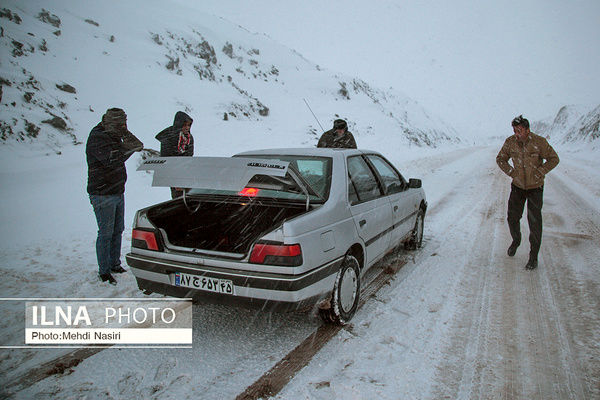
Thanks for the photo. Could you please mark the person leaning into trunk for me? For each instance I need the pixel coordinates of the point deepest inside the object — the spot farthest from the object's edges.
(338, 137)
(177, 140)
(532, 158)
(108, 146)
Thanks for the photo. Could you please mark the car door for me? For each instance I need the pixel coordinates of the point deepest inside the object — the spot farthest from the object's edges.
(404, 202)
(370, 209)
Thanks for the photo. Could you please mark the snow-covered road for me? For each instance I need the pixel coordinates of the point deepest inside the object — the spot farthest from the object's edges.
(460, 320)
(468, 322)
(521, 334)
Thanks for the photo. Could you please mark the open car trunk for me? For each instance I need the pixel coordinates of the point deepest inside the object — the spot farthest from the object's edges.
(216, 216)
(230, 226)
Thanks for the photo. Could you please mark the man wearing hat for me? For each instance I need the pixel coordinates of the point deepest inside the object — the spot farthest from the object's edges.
(177, 140)
(532, 158)
(109, 145)
(338, 137)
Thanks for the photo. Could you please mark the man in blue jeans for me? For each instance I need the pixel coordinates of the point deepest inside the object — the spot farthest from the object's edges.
(109, 145)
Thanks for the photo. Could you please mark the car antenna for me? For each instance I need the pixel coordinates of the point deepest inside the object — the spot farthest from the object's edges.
(306, 102)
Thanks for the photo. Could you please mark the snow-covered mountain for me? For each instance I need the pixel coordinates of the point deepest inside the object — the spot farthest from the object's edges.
(572, 124)
(64, 63)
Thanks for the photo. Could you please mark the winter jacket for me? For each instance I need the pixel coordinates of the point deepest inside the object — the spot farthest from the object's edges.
(173, 142)
(528, 166)
(106, 155)
(331, 140)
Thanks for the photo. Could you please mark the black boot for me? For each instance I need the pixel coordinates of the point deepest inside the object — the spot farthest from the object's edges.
(108, 278)
(512, 249)
(118, 269)
(532, 263)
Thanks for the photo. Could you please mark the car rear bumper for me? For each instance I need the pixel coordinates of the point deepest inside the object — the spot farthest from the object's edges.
(269, 291)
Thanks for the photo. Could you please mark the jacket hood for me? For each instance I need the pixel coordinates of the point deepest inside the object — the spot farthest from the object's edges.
(180, 119)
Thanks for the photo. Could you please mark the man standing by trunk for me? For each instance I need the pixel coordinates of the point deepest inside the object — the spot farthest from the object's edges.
(338, 137)
(177, 140)
(109, 145)
(532, 158)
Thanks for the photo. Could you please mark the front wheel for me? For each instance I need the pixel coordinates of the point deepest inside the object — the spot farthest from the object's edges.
(416, 237)
(345, 295)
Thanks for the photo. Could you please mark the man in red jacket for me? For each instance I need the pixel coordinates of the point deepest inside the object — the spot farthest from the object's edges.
(177, 141)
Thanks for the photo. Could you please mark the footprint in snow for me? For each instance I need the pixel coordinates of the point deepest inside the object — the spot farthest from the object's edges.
(127, 385)
(164, 369)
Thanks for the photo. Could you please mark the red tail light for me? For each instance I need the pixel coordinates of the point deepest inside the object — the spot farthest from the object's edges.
(144, 239)
(249, 192)
(276, 254)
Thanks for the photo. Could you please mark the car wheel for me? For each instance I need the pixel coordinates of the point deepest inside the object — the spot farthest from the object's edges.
(345, 295)
(416, 237)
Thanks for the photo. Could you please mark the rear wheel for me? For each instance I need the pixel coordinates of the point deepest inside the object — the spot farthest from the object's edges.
(416, 237)
(345, 295)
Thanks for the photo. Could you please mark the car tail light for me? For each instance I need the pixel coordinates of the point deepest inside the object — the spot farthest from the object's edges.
(276, 254)
(144, 239)
(249, 192)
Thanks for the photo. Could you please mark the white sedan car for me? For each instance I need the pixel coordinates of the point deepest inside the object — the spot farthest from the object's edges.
(277, 229)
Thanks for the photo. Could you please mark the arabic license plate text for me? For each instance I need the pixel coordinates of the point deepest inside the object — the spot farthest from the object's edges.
(204, 283)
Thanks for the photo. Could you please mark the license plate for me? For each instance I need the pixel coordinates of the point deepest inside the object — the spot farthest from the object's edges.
(204, 283)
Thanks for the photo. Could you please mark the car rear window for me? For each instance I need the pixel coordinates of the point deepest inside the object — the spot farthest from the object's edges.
(316, 171)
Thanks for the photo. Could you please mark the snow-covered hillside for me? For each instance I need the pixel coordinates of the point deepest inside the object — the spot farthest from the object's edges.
(460, 319)
(578, 125)
(66, 62)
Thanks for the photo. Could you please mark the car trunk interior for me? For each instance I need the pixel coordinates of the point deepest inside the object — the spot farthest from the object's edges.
(225, 226)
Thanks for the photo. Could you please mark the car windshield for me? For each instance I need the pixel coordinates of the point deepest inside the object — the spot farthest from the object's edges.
(316, 171)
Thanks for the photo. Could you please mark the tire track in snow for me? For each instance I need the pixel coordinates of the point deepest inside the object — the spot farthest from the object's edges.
(272, 381)
(517, 335)
(444, 228)
(463, 372)
(559, 371)
(275, 379)
(571, 283)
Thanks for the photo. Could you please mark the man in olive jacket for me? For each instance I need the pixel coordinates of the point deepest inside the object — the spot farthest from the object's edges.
(338, 137)
(532, 158)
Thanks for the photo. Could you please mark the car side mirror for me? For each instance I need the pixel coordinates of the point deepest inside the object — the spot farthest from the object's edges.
(414, 183)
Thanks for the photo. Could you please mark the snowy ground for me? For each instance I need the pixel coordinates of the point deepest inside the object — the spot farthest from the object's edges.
(460, 320)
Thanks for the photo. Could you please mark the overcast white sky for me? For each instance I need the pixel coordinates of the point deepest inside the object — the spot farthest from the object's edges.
(476, 64)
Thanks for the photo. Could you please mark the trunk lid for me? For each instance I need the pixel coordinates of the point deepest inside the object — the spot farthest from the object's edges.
(228, 174)
(218, 173)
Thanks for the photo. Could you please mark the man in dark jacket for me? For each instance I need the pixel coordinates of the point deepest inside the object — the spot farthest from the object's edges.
(177, 140)
(532, 158)
(338, 137)
(109, 145)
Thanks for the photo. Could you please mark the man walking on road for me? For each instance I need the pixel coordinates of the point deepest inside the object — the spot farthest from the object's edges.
(532, 158)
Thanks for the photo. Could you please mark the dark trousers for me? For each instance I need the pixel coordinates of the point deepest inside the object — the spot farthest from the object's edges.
(516, 203)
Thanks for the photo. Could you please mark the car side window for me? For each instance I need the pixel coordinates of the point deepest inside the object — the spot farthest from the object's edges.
(392, 181)
(362, 184)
